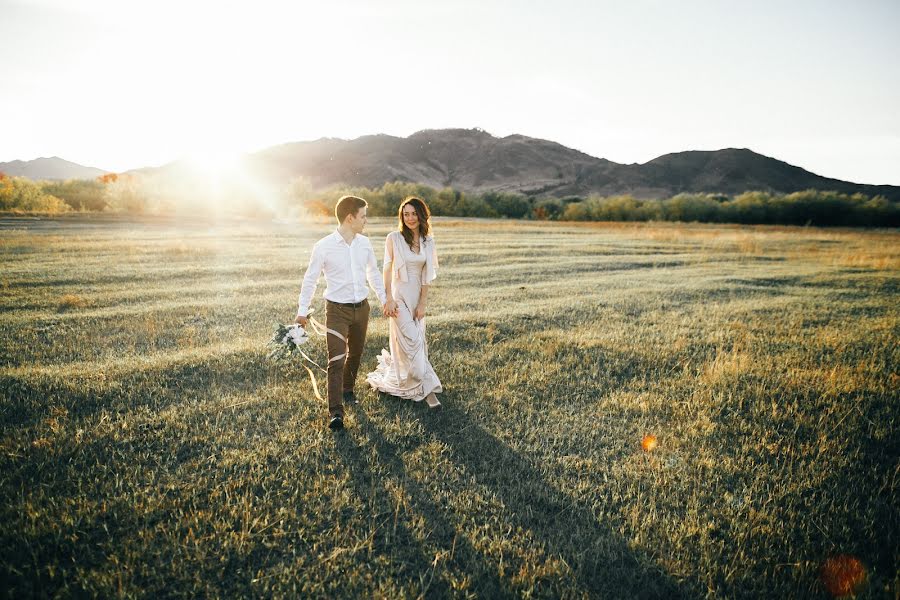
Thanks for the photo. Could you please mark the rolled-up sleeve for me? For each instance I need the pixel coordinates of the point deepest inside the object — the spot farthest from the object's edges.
(310, 280)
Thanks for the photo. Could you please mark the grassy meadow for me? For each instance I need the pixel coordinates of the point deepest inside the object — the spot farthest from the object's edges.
(149, 448)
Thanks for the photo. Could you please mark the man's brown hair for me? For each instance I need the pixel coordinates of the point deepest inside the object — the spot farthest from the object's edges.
(348, 205)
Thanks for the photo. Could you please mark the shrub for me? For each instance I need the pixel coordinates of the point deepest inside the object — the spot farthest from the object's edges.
(548, 209)
(691, 207)
(122, 193)
(80, 194)
(749, 207)
(18, 194)
(514, 206)
(127, 194)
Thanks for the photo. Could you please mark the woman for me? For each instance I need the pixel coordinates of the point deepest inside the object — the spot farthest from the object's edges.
(410, 265)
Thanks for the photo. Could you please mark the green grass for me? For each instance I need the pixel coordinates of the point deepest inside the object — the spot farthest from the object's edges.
(149, 448)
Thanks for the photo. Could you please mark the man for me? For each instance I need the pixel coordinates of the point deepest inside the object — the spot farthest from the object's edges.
(349, 261)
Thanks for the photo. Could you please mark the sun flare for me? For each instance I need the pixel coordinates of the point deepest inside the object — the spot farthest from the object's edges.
(213, 162)
(221, 180)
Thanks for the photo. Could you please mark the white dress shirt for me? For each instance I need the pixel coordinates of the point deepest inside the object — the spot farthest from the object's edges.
(346, 266)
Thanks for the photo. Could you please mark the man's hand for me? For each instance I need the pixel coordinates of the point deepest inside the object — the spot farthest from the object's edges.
(301, 320)
(389, 309)
(420, 312)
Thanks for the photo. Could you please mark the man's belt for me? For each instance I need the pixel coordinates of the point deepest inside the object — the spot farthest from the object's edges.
(350, 304)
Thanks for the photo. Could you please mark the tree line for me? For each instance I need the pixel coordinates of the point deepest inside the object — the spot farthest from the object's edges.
(145, 195)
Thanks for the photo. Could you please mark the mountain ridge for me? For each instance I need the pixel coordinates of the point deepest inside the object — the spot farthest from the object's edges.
(49, 168)
(474, 161)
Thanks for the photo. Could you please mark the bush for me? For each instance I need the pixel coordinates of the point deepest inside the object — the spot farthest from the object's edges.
(122, 193)
(127, 194)
(749, 207)
(692, 207)
(513, 206)
(18, 194)
(80, 194)
(576, 211)
(822, 208)
(548, 209)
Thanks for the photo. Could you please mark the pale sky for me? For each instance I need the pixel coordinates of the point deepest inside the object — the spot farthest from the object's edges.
(120, 84)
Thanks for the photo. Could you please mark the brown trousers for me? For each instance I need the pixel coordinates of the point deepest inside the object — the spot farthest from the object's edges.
(351, 323)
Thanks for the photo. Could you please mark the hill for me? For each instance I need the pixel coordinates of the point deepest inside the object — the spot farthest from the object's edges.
(732, 171)
(53, 168)
(473, 160)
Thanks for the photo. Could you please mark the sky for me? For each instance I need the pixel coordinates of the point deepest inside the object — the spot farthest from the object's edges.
(121, 84)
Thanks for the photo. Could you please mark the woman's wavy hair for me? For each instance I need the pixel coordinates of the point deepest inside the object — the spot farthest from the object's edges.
(424, 215)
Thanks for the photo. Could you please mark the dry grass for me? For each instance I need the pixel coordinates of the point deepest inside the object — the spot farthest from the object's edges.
(71, 301)
(149, 449)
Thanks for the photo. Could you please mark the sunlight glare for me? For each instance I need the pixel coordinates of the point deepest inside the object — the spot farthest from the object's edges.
(213, 163)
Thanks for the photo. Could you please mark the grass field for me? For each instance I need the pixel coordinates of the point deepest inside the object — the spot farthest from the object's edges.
(150, 449)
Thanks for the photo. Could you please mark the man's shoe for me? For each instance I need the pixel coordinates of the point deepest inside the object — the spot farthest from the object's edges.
(336, 422)
(350, 398)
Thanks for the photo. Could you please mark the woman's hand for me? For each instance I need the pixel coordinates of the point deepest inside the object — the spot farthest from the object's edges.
(420, 312)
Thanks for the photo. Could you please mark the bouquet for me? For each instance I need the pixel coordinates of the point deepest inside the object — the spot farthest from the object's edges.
(286, 341)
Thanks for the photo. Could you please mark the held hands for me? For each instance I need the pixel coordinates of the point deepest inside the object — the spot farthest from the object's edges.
(389, 309)
(419, 314)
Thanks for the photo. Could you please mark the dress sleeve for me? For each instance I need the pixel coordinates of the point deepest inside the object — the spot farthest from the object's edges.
(373, 275)
(398, 262)
(431, 263)
(388, 250)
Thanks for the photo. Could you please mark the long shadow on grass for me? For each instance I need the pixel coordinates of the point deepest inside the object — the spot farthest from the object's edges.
(828, 504)
(393, 539)
(28, 397)
(600, 560)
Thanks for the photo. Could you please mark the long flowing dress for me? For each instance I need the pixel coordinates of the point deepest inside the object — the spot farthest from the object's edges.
(405, 371)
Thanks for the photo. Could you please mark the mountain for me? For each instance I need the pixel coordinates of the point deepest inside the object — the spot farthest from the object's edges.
(49, 168)
(732, 171)
(470, 160)
(473, 160)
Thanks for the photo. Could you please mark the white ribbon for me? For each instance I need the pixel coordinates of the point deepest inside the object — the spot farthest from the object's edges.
(320, 329)
(324, 331)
